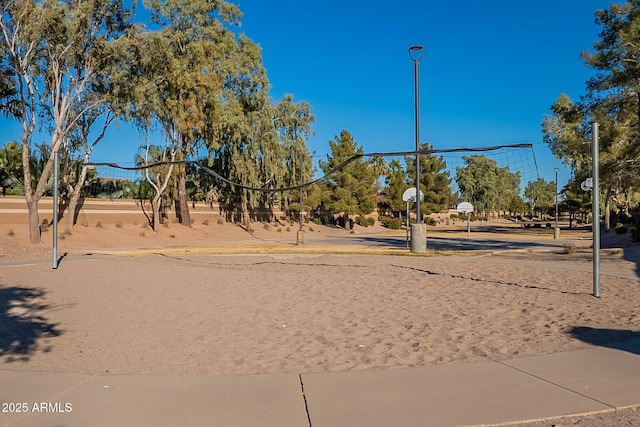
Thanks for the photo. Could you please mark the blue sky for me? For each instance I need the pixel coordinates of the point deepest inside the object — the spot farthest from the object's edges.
(490, 72)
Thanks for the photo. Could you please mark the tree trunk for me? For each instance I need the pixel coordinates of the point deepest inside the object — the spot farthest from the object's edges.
(183, 206)
(75, 196)
(607, 216)
(155, 205)
(34, 220)
(246, 219)
(347, 223)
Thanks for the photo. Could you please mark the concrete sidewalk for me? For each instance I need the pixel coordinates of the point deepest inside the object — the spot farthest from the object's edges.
(491, 392)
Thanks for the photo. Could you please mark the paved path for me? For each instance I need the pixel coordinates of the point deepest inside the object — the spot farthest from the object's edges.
(583, 381)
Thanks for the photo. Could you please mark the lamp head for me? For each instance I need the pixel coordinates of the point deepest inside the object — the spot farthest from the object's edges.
(416, 53)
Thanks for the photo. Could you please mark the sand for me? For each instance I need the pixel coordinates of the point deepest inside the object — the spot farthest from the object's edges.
(300, 313)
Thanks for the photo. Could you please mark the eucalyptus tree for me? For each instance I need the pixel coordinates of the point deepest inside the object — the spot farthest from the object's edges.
(352, 189)
(292, 123)
(157, 163)
(257, 143)
(187, 63)
(76, 152)
(435, 182)
(484, 184)
(59, 57)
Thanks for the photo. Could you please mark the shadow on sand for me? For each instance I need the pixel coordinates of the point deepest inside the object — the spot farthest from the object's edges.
(632, 253)
(21, 324)
(620, 339)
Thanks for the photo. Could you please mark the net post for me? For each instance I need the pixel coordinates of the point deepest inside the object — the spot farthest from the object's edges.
(596, 211)
(56, 167)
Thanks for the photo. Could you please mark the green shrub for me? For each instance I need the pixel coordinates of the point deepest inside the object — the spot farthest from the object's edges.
(370, 221)
(390, 222)
(621, 228)
(430, 221)
(362, 221)
(317, 221)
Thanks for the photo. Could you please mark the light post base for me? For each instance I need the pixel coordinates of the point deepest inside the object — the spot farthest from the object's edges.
(418, 238)
(556, 232)
(300, 237)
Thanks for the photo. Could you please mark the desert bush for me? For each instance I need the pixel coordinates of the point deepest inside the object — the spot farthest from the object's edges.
(390, 222)
(362, 221)
(568, 248)
(621, 228)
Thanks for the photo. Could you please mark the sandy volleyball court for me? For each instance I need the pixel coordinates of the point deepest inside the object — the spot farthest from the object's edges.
(301, 314)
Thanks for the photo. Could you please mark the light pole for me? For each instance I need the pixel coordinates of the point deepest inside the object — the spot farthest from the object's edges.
(416, 53)
(418, 242)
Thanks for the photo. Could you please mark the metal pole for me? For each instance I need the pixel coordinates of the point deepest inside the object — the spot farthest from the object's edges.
(596, 211)
(419, 50)
(300, 233)
(301, 161)
(407, 227)
(56, 167)
(556, 171)
(418, 239)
